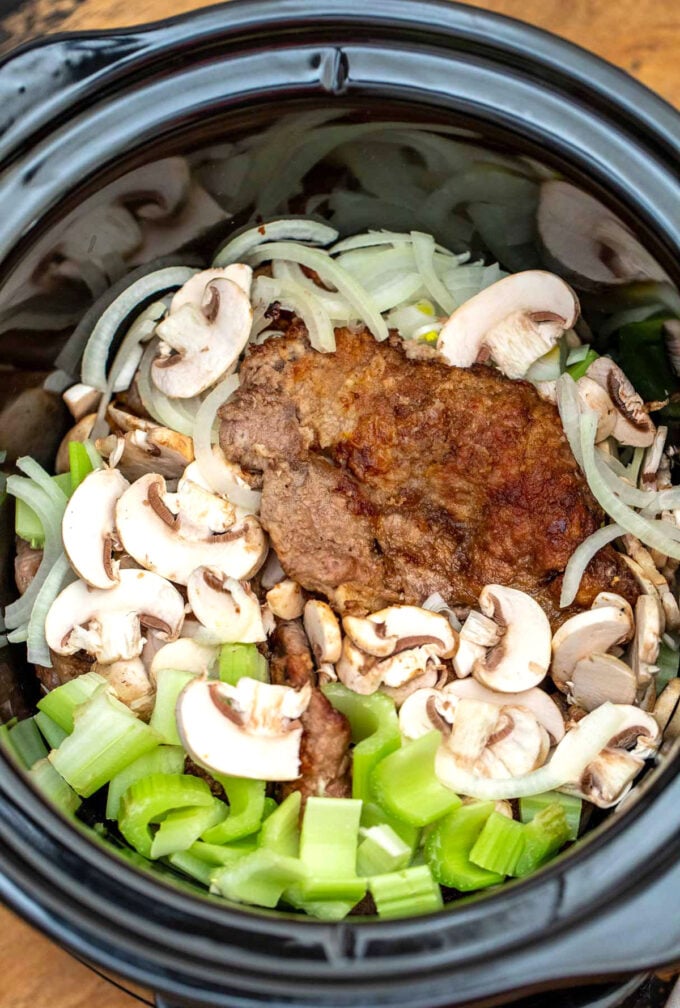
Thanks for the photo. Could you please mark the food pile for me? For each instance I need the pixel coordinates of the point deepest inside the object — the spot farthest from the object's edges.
(356, 589)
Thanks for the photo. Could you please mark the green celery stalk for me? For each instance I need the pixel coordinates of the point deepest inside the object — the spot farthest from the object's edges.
(27, 742)
(169, 685)
(375, 731)
(572, 806)
(406, 893)
(53, 786)
(182, 827)
(381, 851)
(163, 760)
(259, 879)
(499, 846)
(448, 846)
(544, 836)
(328, 850)
(325, 910)
(321, 888)
(106, 738)
(27, 525)
(270, 806)
(53, 733)
(6, 741)
(192, 866)
(220, 854)
(579, 367)
(406, 785)
(246, 807)
(374, 815)
(667, 661)
(281, 831)
(61, 703)
(242, 660)
(148, 800)
(79, 463)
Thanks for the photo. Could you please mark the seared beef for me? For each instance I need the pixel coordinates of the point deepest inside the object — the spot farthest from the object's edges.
(387, 479)
(64, 668)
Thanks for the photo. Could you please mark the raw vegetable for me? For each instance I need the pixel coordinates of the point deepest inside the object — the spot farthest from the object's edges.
(405, 783)
(449, 844)
(375, 731)
(148, 800)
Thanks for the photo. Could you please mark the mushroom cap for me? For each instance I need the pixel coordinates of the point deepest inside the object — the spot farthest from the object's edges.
(323, 631)
(89, 527)
(521, 658)
(608, 778)
(187, 654)
(424, 710)
(151, 534)
(596, 398)
(536, 700)
(476, 635)
(399, 628)
(596, 630)
(633, 425)
(599, 677)
(518, 318)
(286, 599)
(357, 670)
(193, 291)
(227, 608)
(647, 640)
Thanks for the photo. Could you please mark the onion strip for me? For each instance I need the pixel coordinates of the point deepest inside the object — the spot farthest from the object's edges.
(423, 247)
(214, 468)
(60, 575)
(581, 557)
(296, 228)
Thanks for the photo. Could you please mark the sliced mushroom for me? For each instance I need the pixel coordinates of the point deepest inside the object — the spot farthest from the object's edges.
(357, 670)
(633, 425)
(609, 778)
(518, 741)
(167, 543)
(477, 634)
(187, 654)
(600, 677)
(79, 432)
(667, 704)
(147, 448)
(424, 710)
(521, 658)
(323, 631)
(652, 460)
(597, 630)
(399, 628)
(644, 560)
(597, 399)
(286, 599)
(420, 681)
(248, 730)
(131, 683)
(227, 608)
(107, 623)
(405, 666)
(647, 640)
(193, 291)
(515, 321)
(474, 724)
(536, 700)
(89, 527)
(81, 399)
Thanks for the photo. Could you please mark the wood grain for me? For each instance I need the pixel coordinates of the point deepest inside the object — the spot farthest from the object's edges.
(641, 36)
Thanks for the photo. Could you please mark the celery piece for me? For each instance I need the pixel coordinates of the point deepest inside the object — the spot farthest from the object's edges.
(106, 738)
(375, 731)
(6, 741)
(192, 866)
(577, 368)
(27, 742)
(53, 733)
(246, 806)
(182, 827)
(148, 800)
(221, 854)
(406, 785)
(374, 815)
(344, 888)
(60, 703)
(325, 910)
(270, 806)
(163, 760)
(259, 878)
(406, 893)
(448, 846)
(572, 806)
(169, 685)
(328, 839)
(53, 786)
(79, 462)
(239, 660)
(499, 846)
(381, 851)
(667, 661)
(281, 831)
(544, 836)
(27, 525)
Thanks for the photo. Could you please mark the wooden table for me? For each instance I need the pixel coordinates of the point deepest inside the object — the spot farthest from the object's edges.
(642, 36)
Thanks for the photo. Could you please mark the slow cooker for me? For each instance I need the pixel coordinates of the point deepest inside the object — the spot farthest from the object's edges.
(78, 113)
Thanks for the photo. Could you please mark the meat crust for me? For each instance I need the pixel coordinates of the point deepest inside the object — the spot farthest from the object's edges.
(404, 477)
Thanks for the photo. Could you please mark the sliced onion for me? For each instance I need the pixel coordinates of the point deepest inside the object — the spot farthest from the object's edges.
(292, 228)
(336, 306)
(373, 238)
(581, 557)
(44, 481)
(171, 413)
(435, 603)
(60, 575)
(423, 247)
(307, 306)
(396, 290)
(214, 468)
(569, 406)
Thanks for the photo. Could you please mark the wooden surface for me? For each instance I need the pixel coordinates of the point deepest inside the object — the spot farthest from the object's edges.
(641, 36)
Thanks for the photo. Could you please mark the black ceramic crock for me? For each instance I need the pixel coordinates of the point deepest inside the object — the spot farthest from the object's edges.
(77, 110)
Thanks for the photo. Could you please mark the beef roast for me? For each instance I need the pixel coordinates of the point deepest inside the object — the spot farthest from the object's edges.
(386, 478)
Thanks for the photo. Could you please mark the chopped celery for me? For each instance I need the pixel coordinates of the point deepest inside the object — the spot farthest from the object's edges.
(221, 854)
(325, 910)
(79, 462)
(270, 806)
(163, 760)
(27, 525)
(169, 685)
(578, 367)
(53, 733)
(5, 739)
(246, 807)
(27, 742)
(182, 827)
(148, 800)
(328, 849)
(319, 888)
(239, 660)
(529, 807)
(381, 851)
(375, 731)
(60, 703)
(53, 786)
(281, 831)
(259, 878)
(192, 866)
(375, 815)
(406, 785)
(667, 661)
(448, 846)
(499, 846)
(544, 836)
(406, 893)
(106, 738)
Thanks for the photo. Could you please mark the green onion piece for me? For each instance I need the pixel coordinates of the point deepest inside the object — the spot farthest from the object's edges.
(53, 786)
(577, 368)
(246, 806)
(27, 742)
(572, 806)
(544, 836)
(192, 866)
(406, 785)
(667, 661)
(406, 893)
(53, 733)
(79, 463)
(163, 760)
(448, 846)
(221, 854)
(381, 851)
(61, 703)
(375, 731)
(182, 827)
(148, 800)
(259, 878)
(374, 815)
(237, 661)
(169, 685)
(106, 738)
(499, 846)
(27, 525)
(281, 831)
